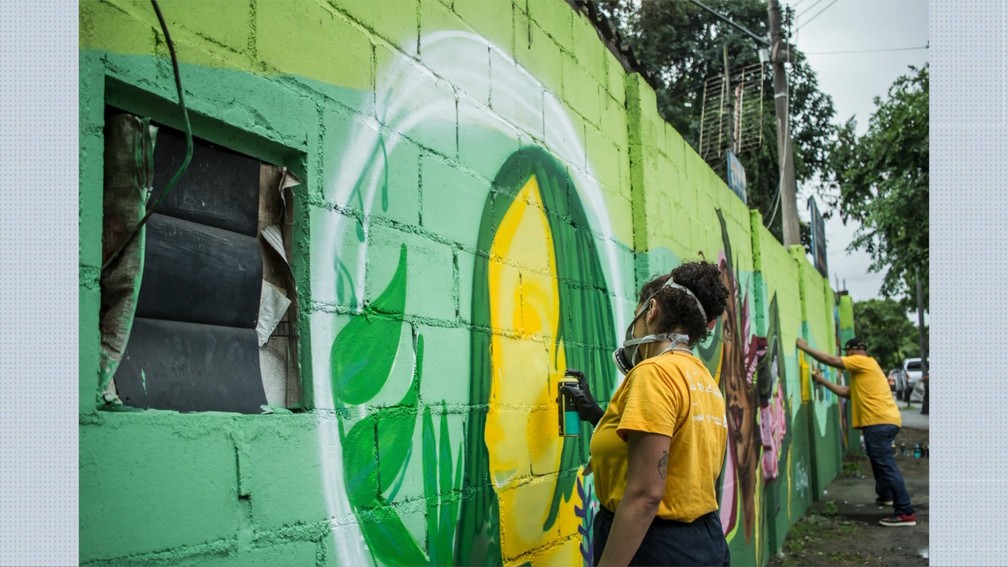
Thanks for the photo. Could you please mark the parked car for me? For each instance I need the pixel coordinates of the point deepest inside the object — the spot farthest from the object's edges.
(912, 369)
(917, 394)
(897, 382)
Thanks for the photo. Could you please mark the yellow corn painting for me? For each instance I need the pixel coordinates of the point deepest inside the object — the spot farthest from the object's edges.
(521, 425)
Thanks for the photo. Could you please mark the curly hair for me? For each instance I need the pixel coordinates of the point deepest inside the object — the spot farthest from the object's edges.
(677, 308)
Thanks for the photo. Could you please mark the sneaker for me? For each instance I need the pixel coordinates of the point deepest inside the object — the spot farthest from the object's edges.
(908, 520)
(883, 502)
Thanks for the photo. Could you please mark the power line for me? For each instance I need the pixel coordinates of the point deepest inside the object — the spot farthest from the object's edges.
(806, 9)
(759, 40)
(816, 16)
(880, 50)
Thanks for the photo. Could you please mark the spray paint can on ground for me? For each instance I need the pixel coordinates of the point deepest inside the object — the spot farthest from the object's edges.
(570, 423)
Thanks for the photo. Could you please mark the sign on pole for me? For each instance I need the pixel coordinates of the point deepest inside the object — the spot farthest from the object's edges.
(736, 176)
(818, 226)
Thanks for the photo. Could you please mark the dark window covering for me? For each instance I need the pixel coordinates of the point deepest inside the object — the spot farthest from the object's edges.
(197, 273)
(220, 188)
(193, 344)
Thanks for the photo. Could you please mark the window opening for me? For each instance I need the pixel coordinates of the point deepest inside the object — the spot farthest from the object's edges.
(199, 312)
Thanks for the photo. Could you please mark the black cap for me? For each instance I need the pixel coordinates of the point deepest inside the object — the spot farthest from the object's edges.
(856, 343)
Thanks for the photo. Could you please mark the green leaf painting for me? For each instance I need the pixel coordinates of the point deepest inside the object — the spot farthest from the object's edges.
(360, 463)
(395, 430)
(389, 539)
(430, 483)
(364, 350)
(377, 449)
(439, 484)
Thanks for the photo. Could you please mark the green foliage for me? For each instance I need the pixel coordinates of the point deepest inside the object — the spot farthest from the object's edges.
(852, 467)
(890, 335)
(680, 46)
(830, 508)
(817, 531)
(881, 181)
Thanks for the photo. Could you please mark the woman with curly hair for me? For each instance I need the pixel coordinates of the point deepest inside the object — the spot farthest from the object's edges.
(658, 449)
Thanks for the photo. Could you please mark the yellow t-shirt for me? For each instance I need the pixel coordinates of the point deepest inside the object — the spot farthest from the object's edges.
(871, 399)
(672, 394)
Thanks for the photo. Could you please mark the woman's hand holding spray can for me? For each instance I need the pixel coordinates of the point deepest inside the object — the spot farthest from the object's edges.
(575, 402)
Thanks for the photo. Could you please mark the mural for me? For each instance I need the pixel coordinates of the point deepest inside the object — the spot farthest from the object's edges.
(540, 304)
(550, 314)
(362, 357)
(558, 308)
(740, 355)
(842, 377)
(470, 228)
(755, 502)
(775, 415)
(775, 403)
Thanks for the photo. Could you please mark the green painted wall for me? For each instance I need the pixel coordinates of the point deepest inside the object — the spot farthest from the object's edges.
(484, 189)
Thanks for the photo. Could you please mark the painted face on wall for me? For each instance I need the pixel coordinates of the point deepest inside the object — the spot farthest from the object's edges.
(740, 400)
(773, 408)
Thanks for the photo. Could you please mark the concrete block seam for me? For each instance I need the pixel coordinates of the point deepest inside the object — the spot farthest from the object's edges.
(377, 37)
(219, 548)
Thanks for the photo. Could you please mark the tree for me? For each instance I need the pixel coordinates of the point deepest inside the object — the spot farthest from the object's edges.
(883, 324)
(881, 181)
(679, 45)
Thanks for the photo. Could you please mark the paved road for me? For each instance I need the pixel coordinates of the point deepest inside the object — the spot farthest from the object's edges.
(852, 497)
(912, 417)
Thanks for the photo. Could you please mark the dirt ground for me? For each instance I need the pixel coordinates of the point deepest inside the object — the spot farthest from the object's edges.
(842, 528)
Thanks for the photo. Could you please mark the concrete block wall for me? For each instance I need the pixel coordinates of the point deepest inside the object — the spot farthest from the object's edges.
(827, 407)
(484, 188)
(778, 313)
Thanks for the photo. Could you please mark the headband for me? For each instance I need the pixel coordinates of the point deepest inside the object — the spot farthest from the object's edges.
(670, 283)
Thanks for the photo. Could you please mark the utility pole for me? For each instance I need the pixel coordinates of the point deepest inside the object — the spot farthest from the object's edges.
(778, 54)
(730, 96)
(921, 338)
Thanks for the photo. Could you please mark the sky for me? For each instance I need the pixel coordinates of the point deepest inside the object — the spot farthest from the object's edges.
(824, 27)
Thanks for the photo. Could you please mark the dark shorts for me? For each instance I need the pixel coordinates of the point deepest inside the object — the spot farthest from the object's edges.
(668, 542)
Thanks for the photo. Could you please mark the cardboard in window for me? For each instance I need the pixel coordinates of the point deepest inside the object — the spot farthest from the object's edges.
(128, 178)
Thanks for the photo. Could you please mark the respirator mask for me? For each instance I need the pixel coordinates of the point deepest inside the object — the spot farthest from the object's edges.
(628, 355)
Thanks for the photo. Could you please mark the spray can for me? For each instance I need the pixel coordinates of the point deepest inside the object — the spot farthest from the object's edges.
(902, 449)
(570, 422)
(917, 451)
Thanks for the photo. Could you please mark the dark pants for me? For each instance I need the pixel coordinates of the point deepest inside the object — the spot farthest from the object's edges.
(668, 542)
(889, 483)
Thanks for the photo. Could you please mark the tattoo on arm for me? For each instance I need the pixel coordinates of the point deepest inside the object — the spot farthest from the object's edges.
(663, 465)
